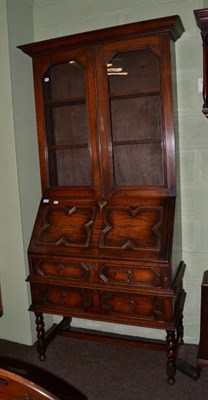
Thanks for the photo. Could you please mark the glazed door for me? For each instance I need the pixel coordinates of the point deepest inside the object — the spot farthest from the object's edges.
(136, 132)
(66, 115)
(99, 176)
(133, 123)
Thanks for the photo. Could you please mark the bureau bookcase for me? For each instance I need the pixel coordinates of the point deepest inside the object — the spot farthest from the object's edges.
(101, 246)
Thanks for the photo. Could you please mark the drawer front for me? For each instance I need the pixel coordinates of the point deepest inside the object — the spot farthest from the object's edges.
(109, 306)
(134, 306)
(65, 269)
(148, 275)
(103, 275)
(56, 297)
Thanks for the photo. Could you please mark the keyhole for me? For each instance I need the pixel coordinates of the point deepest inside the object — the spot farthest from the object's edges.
(61, 269)
(63, 297)
(131, 306)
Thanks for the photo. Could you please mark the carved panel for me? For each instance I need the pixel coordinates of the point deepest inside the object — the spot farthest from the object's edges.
(139, 306)
(69, 298)
(130, 275)
(76, 271)
(66, 226)
(132, 229)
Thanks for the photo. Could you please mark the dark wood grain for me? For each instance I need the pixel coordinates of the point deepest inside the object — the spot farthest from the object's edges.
(101, 247)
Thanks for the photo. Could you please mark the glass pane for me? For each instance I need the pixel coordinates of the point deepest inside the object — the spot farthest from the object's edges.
(134, 71)
(66, 125)
(135, 124)
(140, 164)
(66, 80)
(69, 124)
(71, 167)
(135, 108)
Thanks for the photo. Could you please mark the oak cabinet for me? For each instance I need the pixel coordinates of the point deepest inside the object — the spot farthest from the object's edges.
(101, 247)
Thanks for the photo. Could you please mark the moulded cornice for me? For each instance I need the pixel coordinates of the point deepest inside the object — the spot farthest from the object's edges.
(167, 25)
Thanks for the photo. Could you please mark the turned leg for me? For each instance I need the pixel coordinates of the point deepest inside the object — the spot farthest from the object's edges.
(180, 330)
(171, 367)
(41, 347)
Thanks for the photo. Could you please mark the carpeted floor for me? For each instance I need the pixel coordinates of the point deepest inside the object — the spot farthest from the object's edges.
(110, 372)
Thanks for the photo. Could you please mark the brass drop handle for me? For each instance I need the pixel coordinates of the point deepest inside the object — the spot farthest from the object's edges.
(101, 204)
(61, 268)
(129, 275)
(63, 297)
(132, 304)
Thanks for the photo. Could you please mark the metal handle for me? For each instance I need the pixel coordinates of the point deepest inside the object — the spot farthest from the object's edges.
(101, 204)
(129, 275)
(61, 268)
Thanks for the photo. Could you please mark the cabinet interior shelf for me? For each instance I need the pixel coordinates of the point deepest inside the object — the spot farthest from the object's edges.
(66, 102)
(132, 95)
(140, 141)
(112, 95)
(68, 146)
(114, 143)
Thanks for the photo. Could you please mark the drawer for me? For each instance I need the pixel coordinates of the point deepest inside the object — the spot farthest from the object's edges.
(149, 275)
(90, 273)
(106, 305)
(134, 306)
(56, 297)
(65, 269)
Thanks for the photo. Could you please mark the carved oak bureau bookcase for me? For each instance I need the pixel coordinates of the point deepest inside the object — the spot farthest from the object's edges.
(101, 246)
